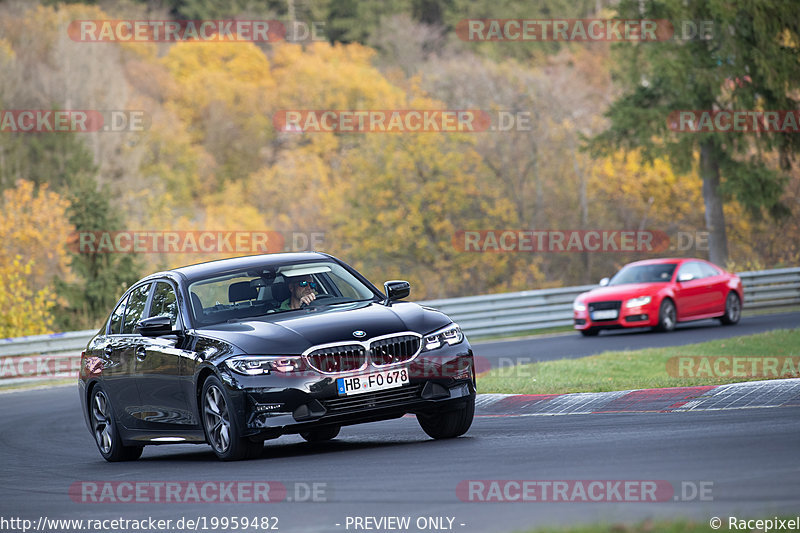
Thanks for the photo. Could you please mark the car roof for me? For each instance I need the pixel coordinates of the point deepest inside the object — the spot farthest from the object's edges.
(663, 261)
(221, 266)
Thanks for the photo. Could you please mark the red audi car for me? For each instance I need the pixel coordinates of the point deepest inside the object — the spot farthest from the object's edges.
(659, 293)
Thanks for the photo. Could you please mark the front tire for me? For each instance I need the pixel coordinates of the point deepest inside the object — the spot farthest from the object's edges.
(106, 433)
(733, 310)
(590, 332)
(448, 424)
(221, 427)
(667, 316)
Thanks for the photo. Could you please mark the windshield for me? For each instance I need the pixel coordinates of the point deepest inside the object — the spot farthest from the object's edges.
(264, 291)
(660, 273)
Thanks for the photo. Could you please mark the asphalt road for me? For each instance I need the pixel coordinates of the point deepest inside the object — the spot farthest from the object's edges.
(573, 345)
(745, 459)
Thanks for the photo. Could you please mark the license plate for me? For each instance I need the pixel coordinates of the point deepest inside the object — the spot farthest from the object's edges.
(605, 314)
(388, 379)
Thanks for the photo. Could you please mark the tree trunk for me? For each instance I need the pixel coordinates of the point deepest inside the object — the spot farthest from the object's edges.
(715, 217)
(584, 205)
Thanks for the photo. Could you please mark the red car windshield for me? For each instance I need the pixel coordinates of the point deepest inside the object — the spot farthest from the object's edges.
(659, 273)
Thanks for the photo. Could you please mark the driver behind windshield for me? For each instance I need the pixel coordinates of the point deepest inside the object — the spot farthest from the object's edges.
(301, 290)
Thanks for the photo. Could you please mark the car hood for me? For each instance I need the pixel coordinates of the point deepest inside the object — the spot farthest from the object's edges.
(621, 292)
(294, 332)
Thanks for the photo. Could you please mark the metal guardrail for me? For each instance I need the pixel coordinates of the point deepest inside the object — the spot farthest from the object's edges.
(55, 356)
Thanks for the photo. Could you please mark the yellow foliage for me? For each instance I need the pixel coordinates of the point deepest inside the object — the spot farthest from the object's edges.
(34, 225)
(324, 76)
(234, 75)
(223, 96)
(404, 199)
(23, 311)
(227, 211)
(632, 194)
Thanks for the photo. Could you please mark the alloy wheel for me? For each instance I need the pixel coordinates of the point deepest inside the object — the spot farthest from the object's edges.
(667, 316)
(101, 422)
(733, 309)
(215, 411)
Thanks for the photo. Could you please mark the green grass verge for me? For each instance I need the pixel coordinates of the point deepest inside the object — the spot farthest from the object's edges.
(524, 334)
(641, 369)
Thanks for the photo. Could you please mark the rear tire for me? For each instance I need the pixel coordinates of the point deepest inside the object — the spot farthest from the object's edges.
(667, 316)
(321, 434)
(221, 427)
(106, 433)
(733, 309)
(448, 424)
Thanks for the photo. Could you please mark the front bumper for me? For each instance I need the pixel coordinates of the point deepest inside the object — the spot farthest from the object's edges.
(273, 405)
(630, 317)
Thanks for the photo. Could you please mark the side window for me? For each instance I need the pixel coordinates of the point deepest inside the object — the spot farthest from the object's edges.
(136, 304)
(164, 302)
(709, 271)
(345, 289)
(116, 317)
(693, 268)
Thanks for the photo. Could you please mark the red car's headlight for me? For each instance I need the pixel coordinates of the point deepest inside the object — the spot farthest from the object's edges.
(638, 301)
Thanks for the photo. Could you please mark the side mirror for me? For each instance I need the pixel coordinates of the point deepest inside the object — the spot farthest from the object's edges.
(396, 290)
(604, 282)
(686, 276)
(155, 326)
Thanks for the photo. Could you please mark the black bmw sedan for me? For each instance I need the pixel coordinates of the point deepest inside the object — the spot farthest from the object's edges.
(237, 351)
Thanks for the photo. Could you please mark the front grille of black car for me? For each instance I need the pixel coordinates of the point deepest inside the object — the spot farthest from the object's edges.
(601, 306)
(394, 350)
(373, 400)
(338, 358)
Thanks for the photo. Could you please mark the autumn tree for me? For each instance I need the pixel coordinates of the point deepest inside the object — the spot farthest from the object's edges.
(35, 232)
(24, 310)
(99, 278)
(748, 62)
(407, 197)
(223, 93)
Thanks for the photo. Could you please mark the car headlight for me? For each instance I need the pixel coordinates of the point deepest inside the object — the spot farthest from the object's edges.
(578, 306)
(451, 335)
(638, 301)
(251, 365)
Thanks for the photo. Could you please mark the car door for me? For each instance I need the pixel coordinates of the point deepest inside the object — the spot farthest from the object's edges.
(159, 365)
(690, 293)
(716, 284)
(131, 345)
(118, 370)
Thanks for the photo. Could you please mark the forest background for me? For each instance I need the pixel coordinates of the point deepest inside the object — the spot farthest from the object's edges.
(390, 204)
